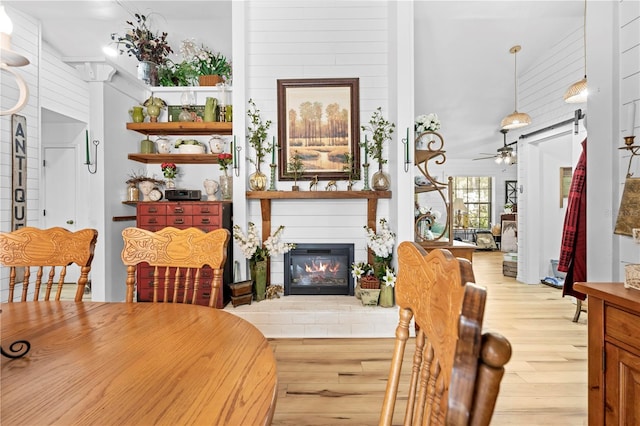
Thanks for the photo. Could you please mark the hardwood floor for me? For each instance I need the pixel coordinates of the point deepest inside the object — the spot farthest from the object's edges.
(342, 381)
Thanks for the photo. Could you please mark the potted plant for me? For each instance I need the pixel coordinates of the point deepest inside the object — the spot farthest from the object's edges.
(381, 130)
(257, 135)
(180, 74)
(205, 63)
(295, 168)
(258, 253)
(149, 48)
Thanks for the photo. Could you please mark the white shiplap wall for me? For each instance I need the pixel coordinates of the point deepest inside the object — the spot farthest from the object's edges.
(629, 44)
(25, 39)
(317, 39)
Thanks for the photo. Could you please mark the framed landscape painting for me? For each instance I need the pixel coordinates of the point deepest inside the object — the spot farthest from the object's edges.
(318, 120)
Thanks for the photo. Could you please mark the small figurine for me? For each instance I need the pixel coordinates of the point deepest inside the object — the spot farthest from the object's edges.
(313, 185)
(331, 186)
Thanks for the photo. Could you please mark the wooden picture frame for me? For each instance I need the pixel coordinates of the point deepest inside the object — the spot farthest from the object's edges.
(566, 174)
(321, 142)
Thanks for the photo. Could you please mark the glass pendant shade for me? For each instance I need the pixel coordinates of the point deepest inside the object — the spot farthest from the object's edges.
(577, 92)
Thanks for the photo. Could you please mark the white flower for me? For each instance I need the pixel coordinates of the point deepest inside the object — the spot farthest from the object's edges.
(381, 243)
(250, 243)
(427, 122)
(359, 269)
(389, 278)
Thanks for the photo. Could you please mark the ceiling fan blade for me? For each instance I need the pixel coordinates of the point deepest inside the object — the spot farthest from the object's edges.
(485, 158)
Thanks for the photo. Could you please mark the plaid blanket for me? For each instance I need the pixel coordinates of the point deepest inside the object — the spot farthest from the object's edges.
(573, 249)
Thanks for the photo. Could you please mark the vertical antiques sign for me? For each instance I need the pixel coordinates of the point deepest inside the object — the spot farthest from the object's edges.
(19, 167)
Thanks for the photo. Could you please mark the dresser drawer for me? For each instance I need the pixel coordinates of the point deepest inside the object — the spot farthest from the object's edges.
(206, 209)
(146, 295)
(209, 222)
(152, 209)
(179, 209)
(180, 222)
(622, 326)
(149, 222)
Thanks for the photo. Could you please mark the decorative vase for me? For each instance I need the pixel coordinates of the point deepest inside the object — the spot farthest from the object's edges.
(257, 181)
(259, 278)
(209, 80)
(380, 180)
(154, 112)
(148, 72)
(185, 116)
(210, 107)
(226, 186)
(137, 114)
(358, 290)
(163, 146)
(170, 184)
(147, 146)
(386, 299)
(132, 192)
(370, 296)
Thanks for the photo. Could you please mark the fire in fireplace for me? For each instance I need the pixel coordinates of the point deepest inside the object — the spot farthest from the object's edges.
(318, 269)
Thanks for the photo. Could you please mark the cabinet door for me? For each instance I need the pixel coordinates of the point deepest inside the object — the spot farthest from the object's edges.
(622, 387)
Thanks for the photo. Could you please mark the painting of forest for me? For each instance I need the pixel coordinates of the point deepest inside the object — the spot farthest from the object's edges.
(316, 122)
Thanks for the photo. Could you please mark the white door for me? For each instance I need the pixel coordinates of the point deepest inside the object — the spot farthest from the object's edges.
(60, 187)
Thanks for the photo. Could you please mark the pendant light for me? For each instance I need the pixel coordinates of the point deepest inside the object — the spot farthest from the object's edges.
(515, 119)
(10, 59)
(577, 92)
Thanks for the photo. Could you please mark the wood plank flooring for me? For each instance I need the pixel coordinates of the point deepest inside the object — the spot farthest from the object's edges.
(342, 381)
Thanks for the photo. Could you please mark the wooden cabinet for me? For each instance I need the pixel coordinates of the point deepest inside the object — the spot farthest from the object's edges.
(614, 353)
(204, 215)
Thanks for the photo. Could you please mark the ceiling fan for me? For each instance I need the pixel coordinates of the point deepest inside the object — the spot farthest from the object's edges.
(506, 153)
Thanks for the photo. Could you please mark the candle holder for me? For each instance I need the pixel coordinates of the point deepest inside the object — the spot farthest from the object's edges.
(365, 176)
(633, 150)
(272, 185)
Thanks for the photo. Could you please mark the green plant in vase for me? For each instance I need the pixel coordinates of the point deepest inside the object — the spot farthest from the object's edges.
(348, 167)
(381, 131)
(257, 135)
(258, 253)
(295, 167)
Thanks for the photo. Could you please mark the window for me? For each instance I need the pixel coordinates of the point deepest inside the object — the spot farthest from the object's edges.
(476, 194)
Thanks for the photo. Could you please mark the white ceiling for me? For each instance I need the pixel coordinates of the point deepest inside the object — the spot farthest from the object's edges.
(463, 68)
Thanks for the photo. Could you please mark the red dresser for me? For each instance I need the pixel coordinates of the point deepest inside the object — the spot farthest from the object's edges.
(205, 215)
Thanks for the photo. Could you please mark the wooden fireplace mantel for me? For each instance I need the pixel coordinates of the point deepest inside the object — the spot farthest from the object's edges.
(265, 198)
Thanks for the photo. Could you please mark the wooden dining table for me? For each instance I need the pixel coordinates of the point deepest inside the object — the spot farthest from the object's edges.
(134, 364)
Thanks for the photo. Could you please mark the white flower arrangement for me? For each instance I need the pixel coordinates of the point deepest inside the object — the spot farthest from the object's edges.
(389, 278)
(427, 123)
(359, 269)
(251, 246)
(422, 210)
(381, 243)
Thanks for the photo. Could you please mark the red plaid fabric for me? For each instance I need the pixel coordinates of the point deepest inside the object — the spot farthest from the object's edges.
(573, 249)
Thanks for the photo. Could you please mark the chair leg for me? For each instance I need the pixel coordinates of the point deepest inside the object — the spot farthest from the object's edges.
(578, 310)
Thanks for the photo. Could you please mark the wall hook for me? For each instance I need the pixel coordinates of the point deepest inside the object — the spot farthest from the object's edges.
(405, 142)
(93, 163)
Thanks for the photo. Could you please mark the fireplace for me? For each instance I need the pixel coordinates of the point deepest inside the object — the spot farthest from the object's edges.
(318, 269)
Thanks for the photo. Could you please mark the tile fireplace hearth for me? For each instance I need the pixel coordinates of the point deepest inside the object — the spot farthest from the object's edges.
(317, 317)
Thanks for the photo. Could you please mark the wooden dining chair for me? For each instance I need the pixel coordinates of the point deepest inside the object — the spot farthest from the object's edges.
(456, 369)
(176, 258)
(50, 252)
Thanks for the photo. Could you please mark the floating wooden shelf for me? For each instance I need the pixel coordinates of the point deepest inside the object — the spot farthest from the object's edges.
(182, 128)
(310, 195)
(175, 158)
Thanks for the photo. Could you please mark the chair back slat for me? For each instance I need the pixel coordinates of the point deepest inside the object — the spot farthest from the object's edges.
(455, 369)
(51, 250)
(177, 257)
